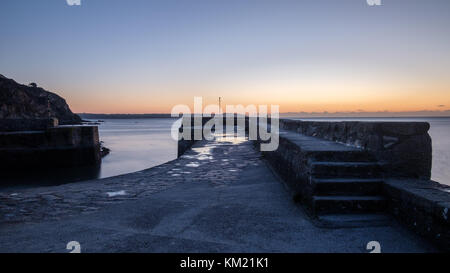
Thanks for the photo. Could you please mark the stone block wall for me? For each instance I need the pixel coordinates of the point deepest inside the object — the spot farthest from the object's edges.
(14, 125)
(185, 143)
(63, 146)
(404, 148)
(423, 206)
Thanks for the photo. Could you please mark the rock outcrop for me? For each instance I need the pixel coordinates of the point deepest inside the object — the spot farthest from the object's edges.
(18, 101)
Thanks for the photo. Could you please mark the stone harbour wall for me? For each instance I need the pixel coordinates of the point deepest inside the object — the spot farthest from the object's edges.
(404, 151)
(63, 146)
(423, 206)
(14, 125)
(292, 164)
(404, 148)
(194, 126)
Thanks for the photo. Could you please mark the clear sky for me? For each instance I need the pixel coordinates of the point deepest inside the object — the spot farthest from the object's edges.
(141, 56)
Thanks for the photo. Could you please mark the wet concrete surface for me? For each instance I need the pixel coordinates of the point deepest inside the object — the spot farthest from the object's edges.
(218, 197)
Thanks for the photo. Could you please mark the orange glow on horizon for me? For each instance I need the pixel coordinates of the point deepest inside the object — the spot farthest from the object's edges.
(317, 101)
(294, 105)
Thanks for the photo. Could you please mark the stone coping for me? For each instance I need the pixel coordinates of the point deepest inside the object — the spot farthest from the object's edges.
(307, 143)
(404, 147)
(36, 124)
(423, 205)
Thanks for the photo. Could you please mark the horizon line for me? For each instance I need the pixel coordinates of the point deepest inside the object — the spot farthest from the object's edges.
(383, 114)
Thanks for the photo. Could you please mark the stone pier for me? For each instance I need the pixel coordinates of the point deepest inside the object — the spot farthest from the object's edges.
(42, 144)
(224, 195)
(219, 196)
(361, 173)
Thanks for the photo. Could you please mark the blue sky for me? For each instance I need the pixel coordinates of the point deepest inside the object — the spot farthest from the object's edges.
(139, 56)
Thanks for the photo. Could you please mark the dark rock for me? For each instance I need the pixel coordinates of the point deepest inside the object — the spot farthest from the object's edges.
(104, 151)
(19, 101)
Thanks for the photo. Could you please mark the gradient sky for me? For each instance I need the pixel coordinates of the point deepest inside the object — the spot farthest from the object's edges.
(141, 56)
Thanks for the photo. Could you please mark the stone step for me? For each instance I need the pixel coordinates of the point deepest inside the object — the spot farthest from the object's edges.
(347, 186)
(348, 204)
(353, 220)
(343, 156)
(328, 169)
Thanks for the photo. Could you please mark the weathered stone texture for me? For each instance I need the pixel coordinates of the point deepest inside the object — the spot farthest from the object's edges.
(403, 152)
(35, 124)
(423, 206)
(404, 147)
(55, 147)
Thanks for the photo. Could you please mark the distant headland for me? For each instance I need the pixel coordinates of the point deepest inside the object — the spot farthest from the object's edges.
(122, 116)
(18, 101)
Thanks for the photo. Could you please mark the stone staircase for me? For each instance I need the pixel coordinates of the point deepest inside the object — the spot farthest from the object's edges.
(347, 190)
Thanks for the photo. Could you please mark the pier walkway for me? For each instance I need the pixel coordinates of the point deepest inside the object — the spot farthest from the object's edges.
(218, 197)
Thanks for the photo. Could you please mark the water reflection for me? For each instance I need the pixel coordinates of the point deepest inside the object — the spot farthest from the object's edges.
(230, 138)
(136, 144)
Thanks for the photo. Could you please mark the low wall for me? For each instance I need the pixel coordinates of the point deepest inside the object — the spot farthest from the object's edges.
(192, 124)
(14, 125)
(403, 147)
(63, 146)
(405, 151)
(292, 164)
(195, 127)
(184, 145)
(423, 206)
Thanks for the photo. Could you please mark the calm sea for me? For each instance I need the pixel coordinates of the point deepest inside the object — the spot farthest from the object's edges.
(137, 144)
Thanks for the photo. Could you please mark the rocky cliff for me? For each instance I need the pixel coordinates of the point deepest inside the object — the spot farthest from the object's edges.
(22, 101)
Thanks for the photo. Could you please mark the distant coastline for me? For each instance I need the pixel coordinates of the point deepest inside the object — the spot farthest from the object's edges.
(339, 115)
(366, 114)
(122, 116)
